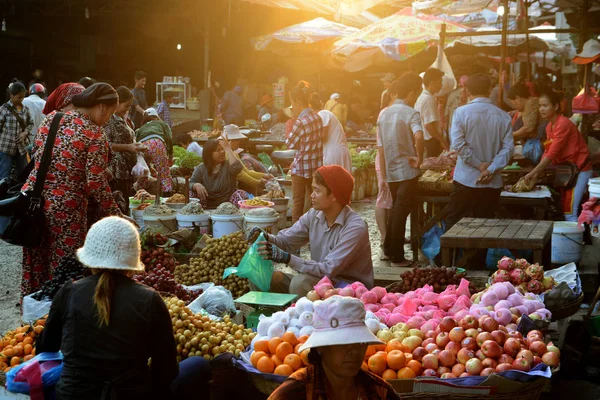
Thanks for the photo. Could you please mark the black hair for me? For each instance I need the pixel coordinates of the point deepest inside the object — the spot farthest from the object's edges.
(16, 87)
(209, 148)
(555, 98)
(407, 83)
(321, 181)
(124, 94)
(386, 99)
(86, 81)
(314, 358)
(139, 75)
(432, 74)
(300, 93)
(98, 93)
(315, 101)
(519, 90)
(479, 85)
(182, 138)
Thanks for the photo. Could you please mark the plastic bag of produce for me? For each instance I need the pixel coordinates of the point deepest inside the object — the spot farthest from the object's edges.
(431, 242)
(216, 300)
(254, 268)
(31, 377)
(34, 309)
(140, 168)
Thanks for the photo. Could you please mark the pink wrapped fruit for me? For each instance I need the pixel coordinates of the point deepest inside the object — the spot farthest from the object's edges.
(517, 276)
(506, 264)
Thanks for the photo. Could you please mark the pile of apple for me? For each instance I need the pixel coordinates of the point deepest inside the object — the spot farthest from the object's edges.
(468, 347)
(527, 277)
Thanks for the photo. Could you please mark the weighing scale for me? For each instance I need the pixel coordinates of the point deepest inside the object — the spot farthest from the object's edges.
(264, 303)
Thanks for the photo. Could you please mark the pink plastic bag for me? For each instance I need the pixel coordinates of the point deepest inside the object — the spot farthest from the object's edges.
(463, 288)
(447, 301)
(409, 307)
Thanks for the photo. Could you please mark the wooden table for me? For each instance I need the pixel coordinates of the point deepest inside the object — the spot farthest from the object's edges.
(480, 233)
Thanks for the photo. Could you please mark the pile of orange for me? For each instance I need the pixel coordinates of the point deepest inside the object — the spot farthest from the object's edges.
(391, 361)
(279, 356)
(18, 346)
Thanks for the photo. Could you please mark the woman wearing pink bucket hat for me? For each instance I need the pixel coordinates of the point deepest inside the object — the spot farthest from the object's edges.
(337, 349)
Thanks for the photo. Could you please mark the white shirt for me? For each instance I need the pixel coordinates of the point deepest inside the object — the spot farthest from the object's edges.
(427, 107)
(195, 148)
(35, 105)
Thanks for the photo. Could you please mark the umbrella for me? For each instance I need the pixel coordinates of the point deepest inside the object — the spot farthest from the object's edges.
(397, 37)
(299, 37)
(491, 44)
(330, 7)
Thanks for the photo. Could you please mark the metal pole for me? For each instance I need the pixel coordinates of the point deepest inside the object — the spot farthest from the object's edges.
(443, 36)
(526, 11)
(206, 49)
(503, 49)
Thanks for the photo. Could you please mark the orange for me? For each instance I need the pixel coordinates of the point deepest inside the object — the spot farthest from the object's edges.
(284, 370)
(257, 355)
(276, 360)
(364, 366)
(28, 340)
(33, 352)
(406, 373)
(394, 344)
(18, 350)
(290, 338)
(27, 358)
(370, 351)
(9, 351)
(20, 337)
(380, 347)
(297, 348)
(396, 360)
(265, 365)
(303, 339)
(293, 360)
(283, 350)
(377, 363)
(304, 357)
(262, 345)
(389, 374)
(41, 322)
(415, 366)
(14, 361)
(27, 349)
(409, 357)
(7, 369)
(38, 329)
(273, 343)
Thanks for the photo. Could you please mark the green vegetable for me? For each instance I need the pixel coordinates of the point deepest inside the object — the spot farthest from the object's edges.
(190, 161)
(362, 161)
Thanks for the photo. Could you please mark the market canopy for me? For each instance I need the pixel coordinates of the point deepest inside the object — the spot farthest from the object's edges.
(394, 38)
(303, 36)
(331, 7)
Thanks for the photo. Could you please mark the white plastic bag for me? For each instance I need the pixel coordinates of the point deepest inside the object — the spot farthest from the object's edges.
(216, 300)
(140, 169)
(449, 80)
(34, 309)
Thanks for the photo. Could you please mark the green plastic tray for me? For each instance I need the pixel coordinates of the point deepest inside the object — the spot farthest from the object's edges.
(266, 299)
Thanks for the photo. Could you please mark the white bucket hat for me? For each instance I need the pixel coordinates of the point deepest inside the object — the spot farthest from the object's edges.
(339, 320)
(589, 53)
(334, 96)
(232, 132)
(151, 112)
(112, 243)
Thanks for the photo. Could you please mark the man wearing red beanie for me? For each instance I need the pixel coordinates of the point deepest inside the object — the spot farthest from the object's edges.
(338, 237)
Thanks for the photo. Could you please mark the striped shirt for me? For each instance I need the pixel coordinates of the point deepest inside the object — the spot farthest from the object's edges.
(307, 139)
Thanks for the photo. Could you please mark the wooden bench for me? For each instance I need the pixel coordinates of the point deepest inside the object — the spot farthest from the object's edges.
(480, 233)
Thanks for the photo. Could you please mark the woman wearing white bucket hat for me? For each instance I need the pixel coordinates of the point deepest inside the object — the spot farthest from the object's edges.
(337, 349)
(108, 326)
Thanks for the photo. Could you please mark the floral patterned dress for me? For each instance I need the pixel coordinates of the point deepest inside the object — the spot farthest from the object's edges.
(76, 174)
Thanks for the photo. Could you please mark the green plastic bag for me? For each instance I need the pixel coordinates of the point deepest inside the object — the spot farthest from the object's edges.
(254, 268)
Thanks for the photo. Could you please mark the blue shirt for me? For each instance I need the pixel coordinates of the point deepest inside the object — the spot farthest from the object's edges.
(481, 133)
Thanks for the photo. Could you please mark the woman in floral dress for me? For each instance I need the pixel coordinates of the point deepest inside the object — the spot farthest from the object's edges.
(156, 135)
(76, 174)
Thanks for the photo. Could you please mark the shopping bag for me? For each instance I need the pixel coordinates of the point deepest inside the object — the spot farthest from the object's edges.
(533, 150)
(140, 169)
(253, 267)
(31, 377)
(34, 309)
(449, 80)
(586, 102)
(431, 242)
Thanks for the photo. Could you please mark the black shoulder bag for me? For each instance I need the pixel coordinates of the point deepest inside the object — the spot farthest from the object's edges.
(25, 210)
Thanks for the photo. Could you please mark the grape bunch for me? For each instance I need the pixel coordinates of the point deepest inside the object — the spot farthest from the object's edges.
(69, 269)
(162, 280)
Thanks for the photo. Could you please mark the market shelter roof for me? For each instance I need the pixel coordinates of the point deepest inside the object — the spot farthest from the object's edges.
(330, 7)
(394, 38)
(303, 37)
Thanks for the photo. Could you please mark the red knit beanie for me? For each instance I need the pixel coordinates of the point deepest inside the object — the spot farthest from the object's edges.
(340, 181)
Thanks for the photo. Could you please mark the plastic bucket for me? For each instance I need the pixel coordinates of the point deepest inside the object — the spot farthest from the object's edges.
(161, 223)
(269, 224)
(286, 185)
(226, 224)
(567, 242)
(594, 187)
(281, 206)
(138, 216)
(188, 221)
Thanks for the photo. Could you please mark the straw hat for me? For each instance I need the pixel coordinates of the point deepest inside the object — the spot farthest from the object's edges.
(589, 54)
(232, 132)
(112, 243)
(339, 320)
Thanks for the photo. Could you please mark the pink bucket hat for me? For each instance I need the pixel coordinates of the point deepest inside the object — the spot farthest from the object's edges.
(339, 320)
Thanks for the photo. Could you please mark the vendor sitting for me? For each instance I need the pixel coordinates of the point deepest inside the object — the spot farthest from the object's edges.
(251, 181)
(215, 180)
(338, 237)
(185, 141)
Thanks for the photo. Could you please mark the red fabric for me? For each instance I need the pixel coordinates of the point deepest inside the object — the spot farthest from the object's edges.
(339, 181)
(566, 144)
(62, 97)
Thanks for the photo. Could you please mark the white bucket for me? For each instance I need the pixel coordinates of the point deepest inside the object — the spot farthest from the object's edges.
(138, 216)
(594, 187)
(567, 242)
(281, 206)
(269, 224)
(226, 224)
(286, 185)
(161, 223)
(188, 221)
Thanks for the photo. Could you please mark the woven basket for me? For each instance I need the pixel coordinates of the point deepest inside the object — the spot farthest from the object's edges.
(567, 310)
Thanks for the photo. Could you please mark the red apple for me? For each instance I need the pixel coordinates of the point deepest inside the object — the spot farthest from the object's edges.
(429, 372)
(487, 371)
(526, 354)
(515, 335)
(503, 328)
(479, 354)
(535, 333)
(551, 359)
(513, 319)
(499, 336)
(453, 347)
(469, 322)
(482, 337)
(474, 366)
(435, 352)
(447, 324)
(489, 363)
(490, 325)
(430, 361)
(458, 369)
(469, 343)
(446, 358)
(538, 348)
(512, 347)
(457, 334)
(443, 370)
(442, 339)
(505, 359)
(472, 332)
(430, 334)
(431, 347)
(464, 375)
(553, 349)
(532, 339)
(522, 364)
(419, 353)
(427, 341)
(491, 349)
(504, 367)
(448, 375)
(481, 319)
(464, 355)
(536, 360)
